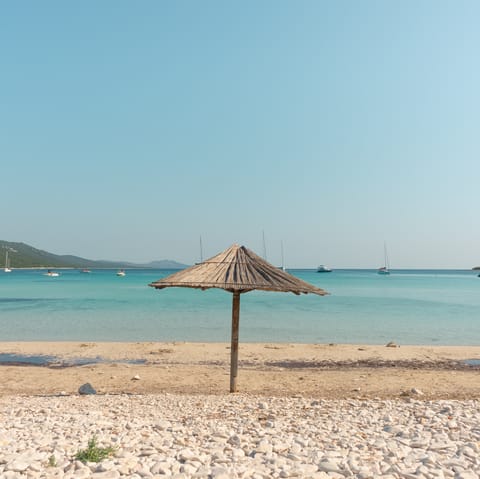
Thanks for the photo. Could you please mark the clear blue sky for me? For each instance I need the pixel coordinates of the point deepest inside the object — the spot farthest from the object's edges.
(128, 129)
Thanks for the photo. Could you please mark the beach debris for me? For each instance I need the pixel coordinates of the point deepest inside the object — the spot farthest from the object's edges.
(412, 392)
(136, 378)
(162, 351)
(86, 389)
(391, 344)
(417, 392)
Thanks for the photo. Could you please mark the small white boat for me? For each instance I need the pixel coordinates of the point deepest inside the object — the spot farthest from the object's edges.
(7, 268)
(51, 274)
(324, 269)
(121, 272)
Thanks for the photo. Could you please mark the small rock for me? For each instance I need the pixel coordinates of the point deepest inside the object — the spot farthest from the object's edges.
(106, 475)
(466, 475)
(264, 446)
(86, 388)
(329, 466)
(220, 473)
(18, 466)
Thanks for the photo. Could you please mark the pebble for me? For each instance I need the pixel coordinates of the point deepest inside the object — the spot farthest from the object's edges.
(239, 436)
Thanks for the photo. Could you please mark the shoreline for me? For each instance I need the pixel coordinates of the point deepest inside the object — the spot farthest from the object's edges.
(118, 350)
(329, 371)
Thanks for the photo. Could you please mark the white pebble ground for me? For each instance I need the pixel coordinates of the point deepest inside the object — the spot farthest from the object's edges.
(239, 436)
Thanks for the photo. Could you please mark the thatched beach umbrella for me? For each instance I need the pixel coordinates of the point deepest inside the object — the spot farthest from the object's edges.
(238, 270)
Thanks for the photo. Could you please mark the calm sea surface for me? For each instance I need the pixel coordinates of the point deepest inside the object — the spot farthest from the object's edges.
(408, 307)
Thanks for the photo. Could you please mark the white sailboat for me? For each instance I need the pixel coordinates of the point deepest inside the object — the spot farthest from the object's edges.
(7, 268)
(264, 246)
(201, 252)
(386, 268)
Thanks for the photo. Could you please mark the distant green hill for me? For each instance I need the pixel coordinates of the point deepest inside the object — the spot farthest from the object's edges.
(22, 255)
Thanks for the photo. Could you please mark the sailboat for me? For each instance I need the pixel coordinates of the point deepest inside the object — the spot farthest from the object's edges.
(201, 252)
(386, 268)
(283, 258)
(7, 268)
(264, 246)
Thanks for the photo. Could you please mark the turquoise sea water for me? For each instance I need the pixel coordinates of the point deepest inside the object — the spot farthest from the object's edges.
(408, 307)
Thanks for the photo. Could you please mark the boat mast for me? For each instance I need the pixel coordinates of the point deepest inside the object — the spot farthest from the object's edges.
(264, 247)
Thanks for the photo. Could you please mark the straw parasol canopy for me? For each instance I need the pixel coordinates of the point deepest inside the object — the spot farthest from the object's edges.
(237, 270)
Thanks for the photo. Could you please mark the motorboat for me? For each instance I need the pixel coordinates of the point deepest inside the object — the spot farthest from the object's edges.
(324, 269)
(52, 274)
(121, 272)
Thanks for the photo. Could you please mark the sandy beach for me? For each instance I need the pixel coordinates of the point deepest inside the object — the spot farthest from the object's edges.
(328, 371)
(311, 411)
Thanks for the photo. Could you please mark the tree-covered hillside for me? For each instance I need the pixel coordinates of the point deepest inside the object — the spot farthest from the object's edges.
(22, 255)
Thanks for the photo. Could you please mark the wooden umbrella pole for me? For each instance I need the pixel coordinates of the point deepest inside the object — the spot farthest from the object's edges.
(234, 344)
